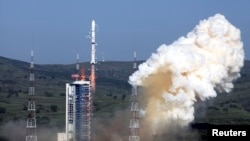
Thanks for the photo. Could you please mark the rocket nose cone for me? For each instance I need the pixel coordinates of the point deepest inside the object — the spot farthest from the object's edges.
(93, 24)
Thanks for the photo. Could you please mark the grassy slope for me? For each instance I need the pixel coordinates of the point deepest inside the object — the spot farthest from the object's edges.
(234, 107)
(112, 92)
(112, 89)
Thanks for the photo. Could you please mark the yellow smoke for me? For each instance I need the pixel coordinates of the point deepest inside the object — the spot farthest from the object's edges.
(154, 86)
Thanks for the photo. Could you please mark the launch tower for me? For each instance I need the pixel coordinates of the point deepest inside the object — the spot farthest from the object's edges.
(79, 99)
(31, 107)
(78, 109)
(134, 123)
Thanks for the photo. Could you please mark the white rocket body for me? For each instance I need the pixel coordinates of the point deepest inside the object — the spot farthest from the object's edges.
(93, 42)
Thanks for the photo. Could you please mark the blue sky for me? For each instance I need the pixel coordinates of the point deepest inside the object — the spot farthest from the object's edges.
(57, 29)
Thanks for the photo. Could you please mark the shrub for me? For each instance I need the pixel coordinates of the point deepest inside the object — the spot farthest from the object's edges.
(53, 108)
(2, 110)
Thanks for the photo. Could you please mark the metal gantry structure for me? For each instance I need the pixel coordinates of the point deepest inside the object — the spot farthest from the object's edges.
(87, 112)
(78, 107)
(79, 99)
(78, 111)
(134, 123)
(31, 106)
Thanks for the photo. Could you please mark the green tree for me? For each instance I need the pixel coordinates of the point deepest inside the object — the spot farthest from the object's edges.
(2, 110)
(53, 108)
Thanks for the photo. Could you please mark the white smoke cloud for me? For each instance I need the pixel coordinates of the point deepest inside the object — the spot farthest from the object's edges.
(192, 68)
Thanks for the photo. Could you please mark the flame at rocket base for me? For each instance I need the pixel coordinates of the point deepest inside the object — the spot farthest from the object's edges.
(92, 78)
(209, 58)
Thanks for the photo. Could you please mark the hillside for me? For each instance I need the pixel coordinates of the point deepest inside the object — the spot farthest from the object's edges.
(50, 80)
(112, 93)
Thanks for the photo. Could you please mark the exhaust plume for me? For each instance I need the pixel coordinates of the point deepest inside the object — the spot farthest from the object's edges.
(192, 68)
(16, 131)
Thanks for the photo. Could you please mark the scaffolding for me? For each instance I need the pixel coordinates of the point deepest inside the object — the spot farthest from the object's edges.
(79, 99)
(134, 123)
(87, 113)
(31, 106)
(79, 113)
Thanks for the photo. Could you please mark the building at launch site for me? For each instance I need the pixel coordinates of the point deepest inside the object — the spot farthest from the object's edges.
(79, 100)
(78, 110)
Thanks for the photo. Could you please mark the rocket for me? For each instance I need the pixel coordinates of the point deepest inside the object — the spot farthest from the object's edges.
(93, 42)
(92, 61)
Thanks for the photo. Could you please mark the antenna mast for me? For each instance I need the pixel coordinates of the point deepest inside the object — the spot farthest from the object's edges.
(76, 75)
(31, 119)
(134, 123)
(77, 62)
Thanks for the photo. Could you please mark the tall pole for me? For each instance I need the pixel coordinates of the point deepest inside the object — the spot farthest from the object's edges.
(31, 107)
(134, 123)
